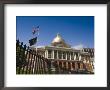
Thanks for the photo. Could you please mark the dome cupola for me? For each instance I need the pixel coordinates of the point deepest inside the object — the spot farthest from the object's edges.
(59, 41)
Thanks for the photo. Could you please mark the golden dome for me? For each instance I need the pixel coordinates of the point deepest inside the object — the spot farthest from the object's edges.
(58, 41)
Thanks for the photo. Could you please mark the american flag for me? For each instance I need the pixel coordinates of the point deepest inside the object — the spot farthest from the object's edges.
(35, 29)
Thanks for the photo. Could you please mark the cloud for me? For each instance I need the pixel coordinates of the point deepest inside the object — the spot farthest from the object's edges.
(40, 46)
(80, 46)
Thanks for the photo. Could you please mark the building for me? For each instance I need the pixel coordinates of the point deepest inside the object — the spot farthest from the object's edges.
(64, 54)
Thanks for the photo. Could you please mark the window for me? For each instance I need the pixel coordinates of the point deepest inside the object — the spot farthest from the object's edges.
(72, 56)
(55, 54)
(49, 54)
(59, 54)
(64, 55)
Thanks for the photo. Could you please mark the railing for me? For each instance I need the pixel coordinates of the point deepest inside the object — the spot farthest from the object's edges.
(29, 62)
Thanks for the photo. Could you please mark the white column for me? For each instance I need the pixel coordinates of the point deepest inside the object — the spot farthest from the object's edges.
(47, 53)
(80, 58)
(70, 56)
(66, 55)
(57, 54)
(53, 54)
(74, 56)
(62, 55)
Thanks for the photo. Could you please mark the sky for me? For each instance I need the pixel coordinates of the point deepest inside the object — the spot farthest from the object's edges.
(75, 30)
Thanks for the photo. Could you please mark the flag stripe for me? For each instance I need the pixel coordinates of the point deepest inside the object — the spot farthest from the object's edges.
(35, 29)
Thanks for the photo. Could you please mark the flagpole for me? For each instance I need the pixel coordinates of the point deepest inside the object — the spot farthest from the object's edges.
(34, 40)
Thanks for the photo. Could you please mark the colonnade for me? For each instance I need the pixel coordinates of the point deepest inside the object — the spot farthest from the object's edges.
(63, 55)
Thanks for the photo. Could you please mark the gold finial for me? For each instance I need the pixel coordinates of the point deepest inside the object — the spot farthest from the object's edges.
(58, 34)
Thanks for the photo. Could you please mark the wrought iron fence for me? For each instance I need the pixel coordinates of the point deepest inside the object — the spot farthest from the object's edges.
(29, 62)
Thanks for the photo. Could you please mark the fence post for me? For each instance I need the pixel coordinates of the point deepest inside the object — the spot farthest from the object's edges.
(56, 67)
(24, 58)
(49, 66)
(19, 57)
(27, 57)
(44, 66)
